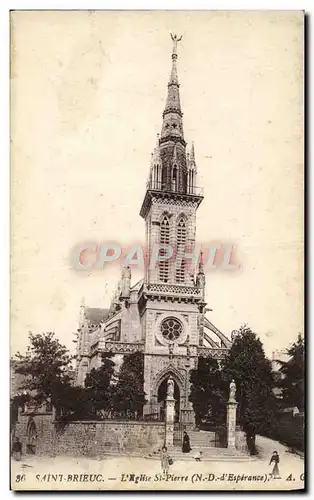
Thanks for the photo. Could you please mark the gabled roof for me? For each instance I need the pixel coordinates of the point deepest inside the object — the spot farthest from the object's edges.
(95, 315)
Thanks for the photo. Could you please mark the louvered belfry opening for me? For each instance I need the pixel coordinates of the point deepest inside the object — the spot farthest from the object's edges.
(181, 242)
(164, 240)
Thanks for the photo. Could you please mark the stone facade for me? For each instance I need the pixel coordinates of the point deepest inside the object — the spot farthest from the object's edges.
(163, 315)
(36, 432)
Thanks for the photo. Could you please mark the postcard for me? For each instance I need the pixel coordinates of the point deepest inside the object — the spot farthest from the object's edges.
(157, 187)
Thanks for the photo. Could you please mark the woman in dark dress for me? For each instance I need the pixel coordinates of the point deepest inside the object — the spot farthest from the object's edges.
(186, 448)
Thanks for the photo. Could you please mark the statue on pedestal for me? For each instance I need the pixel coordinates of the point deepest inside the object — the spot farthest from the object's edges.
(233, 390)
(170, 388)
(175, 40)
(188, 351)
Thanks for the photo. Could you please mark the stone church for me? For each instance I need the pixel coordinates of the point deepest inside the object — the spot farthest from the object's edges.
(164, 314)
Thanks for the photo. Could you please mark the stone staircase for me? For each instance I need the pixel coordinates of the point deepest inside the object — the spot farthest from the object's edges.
(205, 441)
(210, 455)
(202, 439)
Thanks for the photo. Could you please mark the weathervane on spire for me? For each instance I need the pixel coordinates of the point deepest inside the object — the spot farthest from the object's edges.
(175, 40)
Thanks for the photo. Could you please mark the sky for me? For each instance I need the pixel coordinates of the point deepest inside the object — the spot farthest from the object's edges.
(87, 95)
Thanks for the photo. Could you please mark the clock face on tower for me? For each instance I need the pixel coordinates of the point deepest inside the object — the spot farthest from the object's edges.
(171, 329)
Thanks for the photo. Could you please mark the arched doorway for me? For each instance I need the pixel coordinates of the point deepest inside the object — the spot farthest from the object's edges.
(162, 395)
(31, 438)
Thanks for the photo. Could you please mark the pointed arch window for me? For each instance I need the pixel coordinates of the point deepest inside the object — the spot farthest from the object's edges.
(174, 178)
(164, 240)
(181, 242)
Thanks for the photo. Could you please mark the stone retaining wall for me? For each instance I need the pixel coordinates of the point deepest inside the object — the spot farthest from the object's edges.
(90, 438)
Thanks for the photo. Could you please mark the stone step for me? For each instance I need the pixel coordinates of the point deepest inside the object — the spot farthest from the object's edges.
(200, 446)
(209, 454)
(216, 456)
(202, 439)
(200, 442)
(228, 459)
(185, 457)
(209, 451)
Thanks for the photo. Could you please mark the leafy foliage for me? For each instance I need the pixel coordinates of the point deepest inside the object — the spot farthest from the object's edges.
(293, 375)
(46, 367)
(47, 371)
(247, 364)
(99, 388)
(206, 392)
(129, 396)
(17, 402)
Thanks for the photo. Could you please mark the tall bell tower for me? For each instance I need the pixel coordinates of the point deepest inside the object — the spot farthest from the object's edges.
(171, 299)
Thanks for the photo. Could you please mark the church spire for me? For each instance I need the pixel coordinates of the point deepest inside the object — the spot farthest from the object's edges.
(172, 170)
(200, 277)
(192, 154)
(192, 170)
(172, 127)
(174, 75)
(171, 143)
(201, 264)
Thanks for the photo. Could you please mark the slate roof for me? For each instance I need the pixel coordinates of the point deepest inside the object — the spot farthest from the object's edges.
(95, 315)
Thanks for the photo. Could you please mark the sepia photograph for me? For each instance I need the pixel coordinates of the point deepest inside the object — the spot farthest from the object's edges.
(157, 250)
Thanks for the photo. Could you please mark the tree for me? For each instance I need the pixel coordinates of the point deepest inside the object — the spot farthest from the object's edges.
(247, 364)
(206, 394)
(46, 367)
(17, 402)
(129, 396)
(98, 384)
(293, 375)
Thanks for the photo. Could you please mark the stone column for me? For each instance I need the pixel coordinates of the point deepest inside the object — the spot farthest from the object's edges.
(232, 416)
(231, 423)
(169, 422)
(170, 410)
(188, 412)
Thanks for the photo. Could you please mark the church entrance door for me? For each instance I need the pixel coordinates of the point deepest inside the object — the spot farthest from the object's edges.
(31, 438)
(162, 395)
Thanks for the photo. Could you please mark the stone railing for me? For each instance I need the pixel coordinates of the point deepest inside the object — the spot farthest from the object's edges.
(158, 186)
(164, 288)
(211, 352)
(120, 347)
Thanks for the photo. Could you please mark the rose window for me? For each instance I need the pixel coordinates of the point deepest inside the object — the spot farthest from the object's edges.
(171, 329)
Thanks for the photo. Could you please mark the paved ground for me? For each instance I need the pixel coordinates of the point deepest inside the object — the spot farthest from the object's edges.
(64, 473)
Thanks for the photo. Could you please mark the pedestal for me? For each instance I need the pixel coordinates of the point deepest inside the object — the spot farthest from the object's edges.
(169, 421)
(231, 423)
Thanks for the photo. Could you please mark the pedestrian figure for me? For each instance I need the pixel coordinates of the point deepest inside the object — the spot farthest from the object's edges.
(164, 457)
(186, 448)
(275, 459)
(198, 456)
(17, 449)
